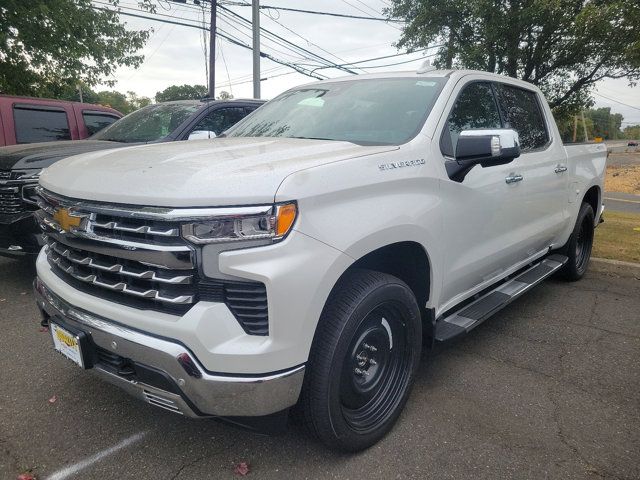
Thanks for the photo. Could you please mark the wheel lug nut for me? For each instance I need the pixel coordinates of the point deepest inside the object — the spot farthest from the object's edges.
(371, 348)
(372, 362)
(361, 372)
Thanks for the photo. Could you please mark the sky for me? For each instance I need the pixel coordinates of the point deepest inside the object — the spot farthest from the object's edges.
(175, 54)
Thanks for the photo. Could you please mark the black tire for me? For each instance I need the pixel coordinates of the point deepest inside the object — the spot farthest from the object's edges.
(579, 246)
(363, 360)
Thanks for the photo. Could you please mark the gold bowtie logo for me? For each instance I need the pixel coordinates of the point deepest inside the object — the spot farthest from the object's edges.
(66, 220)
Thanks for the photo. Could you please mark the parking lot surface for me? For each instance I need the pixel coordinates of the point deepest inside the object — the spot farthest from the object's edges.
(548, 388)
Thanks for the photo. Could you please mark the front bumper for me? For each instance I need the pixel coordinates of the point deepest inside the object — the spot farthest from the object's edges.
(167, 374)
(19, 235)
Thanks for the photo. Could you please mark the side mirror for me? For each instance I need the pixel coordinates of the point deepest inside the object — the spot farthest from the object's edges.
(486, 148)
(201, 135)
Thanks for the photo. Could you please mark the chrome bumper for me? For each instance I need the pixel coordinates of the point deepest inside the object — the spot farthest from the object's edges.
(195, 392)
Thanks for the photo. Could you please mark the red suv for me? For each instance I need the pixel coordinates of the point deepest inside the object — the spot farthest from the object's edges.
(30, 120)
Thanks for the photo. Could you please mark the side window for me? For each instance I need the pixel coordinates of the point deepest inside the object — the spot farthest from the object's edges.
(522, 112)
(96, 121)
(221, 119)
(475, 108)
(35, 123)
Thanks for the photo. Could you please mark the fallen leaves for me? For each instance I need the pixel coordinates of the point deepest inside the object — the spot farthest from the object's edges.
(43, 329)
(241, 469)
(26, 476)
(53, 399)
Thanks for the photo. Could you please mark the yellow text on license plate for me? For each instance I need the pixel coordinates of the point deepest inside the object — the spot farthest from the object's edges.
(68, 340)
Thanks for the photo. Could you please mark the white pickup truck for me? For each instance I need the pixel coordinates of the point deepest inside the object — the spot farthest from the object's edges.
(307, 258)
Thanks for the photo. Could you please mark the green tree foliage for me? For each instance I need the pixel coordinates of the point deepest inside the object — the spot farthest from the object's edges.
(181, 92)
(125, 103)
(48, 45)
(563, 46)
(600, 122)
(632, 132)
(605, 124)
(224, 95)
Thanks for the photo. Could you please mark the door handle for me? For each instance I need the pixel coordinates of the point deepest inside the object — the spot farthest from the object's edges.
(513, 178)
(560, 168)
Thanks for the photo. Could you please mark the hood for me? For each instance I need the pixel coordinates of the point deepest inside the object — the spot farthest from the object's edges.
(220, 172)
(41, 155)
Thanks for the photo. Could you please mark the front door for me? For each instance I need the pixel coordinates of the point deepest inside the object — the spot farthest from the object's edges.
(484, 227)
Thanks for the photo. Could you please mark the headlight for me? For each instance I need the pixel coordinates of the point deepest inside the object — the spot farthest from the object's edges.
(261, 223)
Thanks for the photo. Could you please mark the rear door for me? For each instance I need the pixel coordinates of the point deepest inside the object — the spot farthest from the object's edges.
(542, 165)
(40, 123)
(483, 224)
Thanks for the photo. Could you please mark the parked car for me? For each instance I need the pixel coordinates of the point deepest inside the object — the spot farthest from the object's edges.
(21, 165)
(31, 120)
(302, 258)
(632, 143)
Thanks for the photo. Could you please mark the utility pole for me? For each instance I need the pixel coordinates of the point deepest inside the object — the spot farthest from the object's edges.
(584, 126)
(255, 10)
(575, 128)
(212, 50)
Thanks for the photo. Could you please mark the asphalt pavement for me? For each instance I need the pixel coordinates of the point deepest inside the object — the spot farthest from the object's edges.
(621, 202)
(547, 389)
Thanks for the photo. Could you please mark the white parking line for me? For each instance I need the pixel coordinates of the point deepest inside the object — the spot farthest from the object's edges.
(76, 467)
(621, 200)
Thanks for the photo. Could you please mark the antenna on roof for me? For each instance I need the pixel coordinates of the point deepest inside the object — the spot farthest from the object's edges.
(426, 67)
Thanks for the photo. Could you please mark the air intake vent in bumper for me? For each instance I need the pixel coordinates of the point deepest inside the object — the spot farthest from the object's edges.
(246, 300)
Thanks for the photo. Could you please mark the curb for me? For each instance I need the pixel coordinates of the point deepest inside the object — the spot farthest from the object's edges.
(616, 266)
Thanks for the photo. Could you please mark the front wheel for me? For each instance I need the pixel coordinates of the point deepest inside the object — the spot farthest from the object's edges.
(363, 360)
(579, 246)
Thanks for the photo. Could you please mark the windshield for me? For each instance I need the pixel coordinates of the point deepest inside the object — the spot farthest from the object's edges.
(148, 124)
(387, 111)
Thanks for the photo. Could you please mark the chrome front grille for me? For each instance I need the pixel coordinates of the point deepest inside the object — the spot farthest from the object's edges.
(133, 257)
(10, 200)
(140, 262)
(5, 174)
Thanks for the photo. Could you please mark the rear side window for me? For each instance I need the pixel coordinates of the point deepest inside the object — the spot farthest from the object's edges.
(475, 108)
(96, 121)
(40, 124)
(220, 120)
(522, 112)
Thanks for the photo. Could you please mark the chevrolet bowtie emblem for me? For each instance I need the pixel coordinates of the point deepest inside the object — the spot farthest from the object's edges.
(67, 220)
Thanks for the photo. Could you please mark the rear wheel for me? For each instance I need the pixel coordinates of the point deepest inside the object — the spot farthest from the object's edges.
(578, 248)
(363, 360)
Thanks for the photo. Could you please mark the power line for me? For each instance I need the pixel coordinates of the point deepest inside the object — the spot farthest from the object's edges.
(316, 12)
(385, 57)
(223, 35)
(329, 63)
(617, 101)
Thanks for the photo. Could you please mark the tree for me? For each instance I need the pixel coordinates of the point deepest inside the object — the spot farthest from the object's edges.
(182, 92)
(632, 132)
(224, 95)
(563, 46)
(136, 102)
(605, 124)
(48, 45)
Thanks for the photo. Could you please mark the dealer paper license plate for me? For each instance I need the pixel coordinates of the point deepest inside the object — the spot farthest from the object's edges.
(66, 343)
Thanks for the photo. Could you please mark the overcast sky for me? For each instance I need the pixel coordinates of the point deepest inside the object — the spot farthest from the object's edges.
(174, 54)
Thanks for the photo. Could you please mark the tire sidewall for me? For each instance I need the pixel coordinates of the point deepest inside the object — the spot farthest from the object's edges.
(403, 299)
(573, 271)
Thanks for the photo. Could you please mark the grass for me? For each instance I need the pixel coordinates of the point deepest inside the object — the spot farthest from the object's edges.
(618, 238)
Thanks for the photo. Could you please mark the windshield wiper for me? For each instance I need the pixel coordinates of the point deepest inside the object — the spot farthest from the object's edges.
(319, 138)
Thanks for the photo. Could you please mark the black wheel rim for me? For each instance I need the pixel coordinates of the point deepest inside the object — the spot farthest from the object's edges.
(584, 242)
(377, 369)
